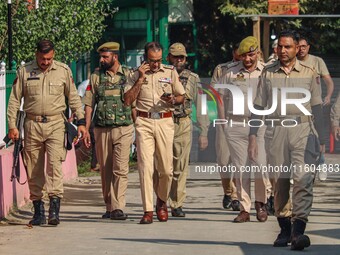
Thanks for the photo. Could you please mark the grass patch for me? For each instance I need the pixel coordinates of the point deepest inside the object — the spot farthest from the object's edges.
(84, 169)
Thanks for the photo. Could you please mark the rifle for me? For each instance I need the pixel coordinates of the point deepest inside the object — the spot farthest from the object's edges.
(18, 146)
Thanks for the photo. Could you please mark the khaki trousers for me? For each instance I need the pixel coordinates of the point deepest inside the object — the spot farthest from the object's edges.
(288, 149)
(154, 139)
(41, 138)
(113, 146)
(223, 159)
(237, 138)
(181, 152)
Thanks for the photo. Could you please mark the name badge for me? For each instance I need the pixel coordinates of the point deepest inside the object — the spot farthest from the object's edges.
(165, 80)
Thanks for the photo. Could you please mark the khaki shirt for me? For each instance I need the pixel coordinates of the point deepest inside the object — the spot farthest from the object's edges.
(165, 80)
(236, 74)
(317, 64)
(91, 90)
(335, 112)
(301, 76)
(43, 93)
(219, 71)
(193, 89)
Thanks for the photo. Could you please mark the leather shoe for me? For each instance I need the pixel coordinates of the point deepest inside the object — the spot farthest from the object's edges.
(147, 218)
(161, 210)
(235, 205)
(261, 212)
(226, 202)
(242, 217)
(118, 215)
(106, 215)
(177, 212)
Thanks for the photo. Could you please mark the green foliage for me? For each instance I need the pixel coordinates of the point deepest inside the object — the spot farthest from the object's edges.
(73, 25)
(322, 31)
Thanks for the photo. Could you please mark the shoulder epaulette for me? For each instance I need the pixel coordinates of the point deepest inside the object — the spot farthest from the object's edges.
(61, 65)
(307, 65)
(232, 64)
(194, 75)
(171, 67)
(270, 65)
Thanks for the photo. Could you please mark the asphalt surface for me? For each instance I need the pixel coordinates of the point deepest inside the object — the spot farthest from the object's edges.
(206, 229)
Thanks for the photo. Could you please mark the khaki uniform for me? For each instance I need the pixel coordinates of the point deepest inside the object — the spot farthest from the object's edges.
(222, 150)
(183, 133)
(155, 132)
(317, 64)
(288, 144)
(335, 112)
(44, 128)
(237, 136)
(113, 144)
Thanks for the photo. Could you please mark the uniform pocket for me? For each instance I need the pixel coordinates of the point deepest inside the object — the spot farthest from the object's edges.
(56, 88)
(33, 88)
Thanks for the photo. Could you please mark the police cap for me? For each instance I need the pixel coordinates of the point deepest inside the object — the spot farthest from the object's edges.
(178, 49)
(109, 47)
(248, 44)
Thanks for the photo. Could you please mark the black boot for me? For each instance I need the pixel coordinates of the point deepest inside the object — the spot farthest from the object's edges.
(39, 213)
(299, 240)
(53, 212)
(283, 238)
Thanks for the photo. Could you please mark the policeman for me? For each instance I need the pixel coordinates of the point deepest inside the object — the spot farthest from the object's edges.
(230, 199)
(244, 76)
(183, 127)
(317, 64)
(335, 118)
(156, 89)
(113, 127)
(273, 57)
(294, 137)
(44, 83)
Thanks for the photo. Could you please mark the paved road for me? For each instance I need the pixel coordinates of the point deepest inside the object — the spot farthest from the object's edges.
(207, 229)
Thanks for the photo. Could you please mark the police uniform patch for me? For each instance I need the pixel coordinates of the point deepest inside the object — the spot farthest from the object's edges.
(240, 77)
(318, 80)
(165, 80)
(33, 76)
(15, 81)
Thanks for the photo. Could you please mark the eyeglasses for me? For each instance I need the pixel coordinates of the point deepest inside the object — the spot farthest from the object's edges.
(303, 46)
(154, 61)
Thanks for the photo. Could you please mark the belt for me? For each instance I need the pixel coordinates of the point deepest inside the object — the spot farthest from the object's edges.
(154, 115)
(238, 118)
(179, 119)
(43, 118)
(291, 120)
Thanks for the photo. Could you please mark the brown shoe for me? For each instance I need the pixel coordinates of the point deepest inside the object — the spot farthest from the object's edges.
(161, 210)
(147, 218)
(261, 212)
(242, 217)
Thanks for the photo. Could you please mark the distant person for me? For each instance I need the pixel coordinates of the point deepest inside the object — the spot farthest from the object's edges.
(183, 127)
(94, 162)
(317, 64)
(273, 57)
(230, 199)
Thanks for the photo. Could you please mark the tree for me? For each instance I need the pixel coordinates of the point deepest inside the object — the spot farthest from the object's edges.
(73, 25)
(322, 31)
